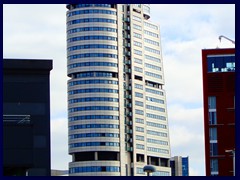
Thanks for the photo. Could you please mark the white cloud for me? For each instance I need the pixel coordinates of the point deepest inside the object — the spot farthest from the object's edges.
(194, 172)
(183, 73)
(186, 135)
(187, 20)
(39, 32)
(35, 31)
(184, 34)
(186, 116)
(59, 144)
(39, 36)
(58, 93)
(184, 96)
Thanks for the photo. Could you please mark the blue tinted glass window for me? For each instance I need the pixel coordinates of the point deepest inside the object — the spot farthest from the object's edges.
(140, 95)
(140, 171)
(214, 165)
(212, 102)
(87, 126)
(154, 91)
(92, 81)
(139, 112)
(154, 116)
(159, 150)
(213, 149)
(94, 169)
(140, 146)
(224, 63)
(93, 108)
(86, 64)
(84, 38)
(84, 144)
(89, 55)
(90, 99)
(160, 173)
(155, 108)
(213, 133)
(152, 58)
(95, 11)
(83, 29)
(156, 133)
(153, 75)
(156, 125)
(92, 5)
(77, 21)
(92, 46)
(93, 90)
(95, 74)
(212, 118)
(155, 141)
(139, 103)
(185, 167)
(154, 100)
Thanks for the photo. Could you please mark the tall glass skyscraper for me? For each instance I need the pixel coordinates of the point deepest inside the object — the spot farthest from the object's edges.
(116, 99)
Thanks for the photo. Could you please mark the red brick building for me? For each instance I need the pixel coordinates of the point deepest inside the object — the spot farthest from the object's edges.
(219, 110)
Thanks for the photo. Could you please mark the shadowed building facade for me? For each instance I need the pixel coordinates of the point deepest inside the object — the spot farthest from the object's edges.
(26, 117)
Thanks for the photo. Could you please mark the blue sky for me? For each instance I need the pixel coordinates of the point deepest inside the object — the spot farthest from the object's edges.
(38, 31)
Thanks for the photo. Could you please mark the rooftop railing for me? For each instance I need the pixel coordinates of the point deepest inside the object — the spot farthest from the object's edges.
(16, 119)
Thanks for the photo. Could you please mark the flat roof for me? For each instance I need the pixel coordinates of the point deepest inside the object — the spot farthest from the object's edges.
(27, 64)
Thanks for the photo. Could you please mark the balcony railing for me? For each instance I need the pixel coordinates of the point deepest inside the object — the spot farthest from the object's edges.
(16, 119)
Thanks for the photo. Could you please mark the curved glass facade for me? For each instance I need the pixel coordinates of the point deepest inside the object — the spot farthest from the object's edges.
(86, 38)
(117, 117)
(93, 94)
(85, 135)
(94, 169)
(92, 64)
(91, 11)
(92, 55)
(92, 81)
(91, 46)
(92, 117)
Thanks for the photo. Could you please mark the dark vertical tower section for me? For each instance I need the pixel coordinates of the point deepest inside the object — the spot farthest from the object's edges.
(26, 117)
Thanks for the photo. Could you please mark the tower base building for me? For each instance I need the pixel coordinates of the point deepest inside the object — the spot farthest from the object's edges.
(117, 109)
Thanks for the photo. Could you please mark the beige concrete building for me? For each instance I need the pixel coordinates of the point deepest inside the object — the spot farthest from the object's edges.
(55, 172)
(116, 99)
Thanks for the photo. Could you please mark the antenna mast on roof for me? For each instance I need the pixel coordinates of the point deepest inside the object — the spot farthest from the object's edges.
(220, 37)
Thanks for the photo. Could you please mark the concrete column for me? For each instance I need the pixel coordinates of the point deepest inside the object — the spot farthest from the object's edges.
(149, 159)
(118, 156)
(95, 156)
